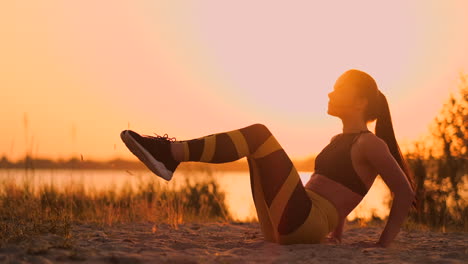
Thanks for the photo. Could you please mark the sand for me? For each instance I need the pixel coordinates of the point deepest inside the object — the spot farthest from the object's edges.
(228, 243)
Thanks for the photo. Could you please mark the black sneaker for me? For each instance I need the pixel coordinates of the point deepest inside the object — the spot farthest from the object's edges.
(154, 152)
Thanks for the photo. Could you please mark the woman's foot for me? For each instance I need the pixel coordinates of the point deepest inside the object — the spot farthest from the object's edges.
(154, 152)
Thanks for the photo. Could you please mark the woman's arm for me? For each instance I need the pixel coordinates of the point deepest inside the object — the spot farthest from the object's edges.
(379, 156)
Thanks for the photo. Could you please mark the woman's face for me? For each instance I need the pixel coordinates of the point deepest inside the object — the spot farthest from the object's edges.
(343, 100)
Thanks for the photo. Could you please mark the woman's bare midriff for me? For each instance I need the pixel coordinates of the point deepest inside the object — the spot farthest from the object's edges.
(343, 198)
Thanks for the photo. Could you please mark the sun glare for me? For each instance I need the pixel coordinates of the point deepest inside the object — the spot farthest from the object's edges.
(193, 69)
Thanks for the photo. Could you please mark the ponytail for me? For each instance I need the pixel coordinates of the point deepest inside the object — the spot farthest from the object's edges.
(384, 130)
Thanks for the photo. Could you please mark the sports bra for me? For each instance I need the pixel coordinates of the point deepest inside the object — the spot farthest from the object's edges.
(334, 162)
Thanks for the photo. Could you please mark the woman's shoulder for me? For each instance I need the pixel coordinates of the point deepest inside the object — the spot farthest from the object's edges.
(371, 143)
(334, 137)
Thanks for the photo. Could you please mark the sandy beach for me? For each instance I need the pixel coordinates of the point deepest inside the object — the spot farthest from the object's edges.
(227, 243)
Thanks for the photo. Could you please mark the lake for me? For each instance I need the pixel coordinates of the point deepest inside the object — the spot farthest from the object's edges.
(236, 186)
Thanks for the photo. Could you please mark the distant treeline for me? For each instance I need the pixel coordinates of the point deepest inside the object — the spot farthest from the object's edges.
(121, 164)
(72, 163)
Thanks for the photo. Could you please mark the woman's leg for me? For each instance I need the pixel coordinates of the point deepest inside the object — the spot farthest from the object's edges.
(280, 199)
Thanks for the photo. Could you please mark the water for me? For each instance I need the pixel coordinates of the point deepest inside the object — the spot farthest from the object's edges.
(236, 185)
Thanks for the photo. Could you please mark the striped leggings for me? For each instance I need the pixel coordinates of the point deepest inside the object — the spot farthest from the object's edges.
(288, 213)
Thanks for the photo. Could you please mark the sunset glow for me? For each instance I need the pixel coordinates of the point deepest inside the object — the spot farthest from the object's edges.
(73, 74)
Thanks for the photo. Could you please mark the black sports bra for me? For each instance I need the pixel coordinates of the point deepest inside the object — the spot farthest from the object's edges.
(334, 162)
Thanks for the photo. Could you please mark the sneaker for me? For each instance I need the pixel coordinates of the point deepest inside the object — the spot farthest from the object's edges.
(154, 152)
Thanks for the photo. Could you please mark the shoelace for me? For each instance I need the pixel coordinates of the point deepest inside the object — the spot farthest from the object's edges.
(164, 137)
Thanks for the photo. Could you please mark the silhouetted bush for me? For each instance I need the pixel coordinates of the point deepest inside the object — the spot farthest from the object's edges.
(440, 166)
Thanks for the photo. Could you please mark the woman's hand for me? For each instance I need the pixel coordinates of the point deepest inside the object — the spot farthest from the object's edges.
(332, 238)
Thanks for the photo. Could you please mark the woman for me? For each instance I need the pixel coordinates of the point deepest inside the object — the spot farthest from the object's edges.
(289, 212)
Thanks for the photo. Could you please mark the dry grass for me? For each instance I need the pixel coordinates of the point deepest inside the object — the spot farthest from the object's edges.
(26, 212)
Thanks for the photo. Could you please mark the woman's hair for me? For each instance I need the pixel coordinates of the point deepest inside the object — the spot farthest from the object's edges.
(377, 108)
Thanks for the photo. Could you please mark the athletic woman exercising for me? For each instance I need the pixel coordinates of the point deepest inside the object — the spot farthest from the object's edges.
(289, 212)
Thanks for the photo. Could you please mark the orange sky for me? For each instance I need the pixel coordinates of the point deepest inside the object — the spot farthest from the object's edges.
(73, 74)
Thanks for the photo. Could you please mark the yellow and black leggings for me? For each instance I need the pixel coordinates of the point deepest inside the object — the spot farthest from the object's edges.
(288, 213)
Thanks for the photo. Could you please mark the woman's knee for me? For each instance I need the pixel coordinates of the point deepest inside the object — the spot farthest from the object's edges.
(255, 135)
(259, 129)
